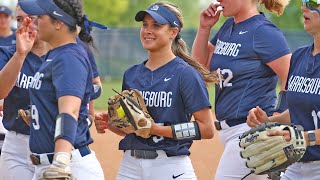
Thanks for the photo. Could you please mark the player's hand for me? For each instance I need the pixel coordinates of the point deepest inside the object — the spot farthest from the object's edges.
(101, 122)
(209, 16)
(25, 37)
(256, 117)
(284, 133)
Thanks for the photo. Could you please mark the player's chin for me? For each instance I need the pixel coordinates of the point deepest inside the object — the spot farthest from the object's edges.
(149, 47)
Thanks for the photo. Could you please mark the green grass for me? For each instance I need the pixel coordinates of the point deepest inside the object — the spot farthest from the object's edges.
(102, 102)
(107, 86)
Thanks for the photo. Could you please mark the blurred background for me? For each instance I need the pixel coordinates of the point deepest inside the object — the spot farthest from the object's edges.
(120, 47)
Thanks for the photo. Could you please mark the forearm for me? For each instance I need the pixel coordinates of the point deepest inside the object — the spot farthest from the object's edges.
(62, 145)
(9, 74)
(200, 49)
(165, 131)
(283, 118)
(116, 131)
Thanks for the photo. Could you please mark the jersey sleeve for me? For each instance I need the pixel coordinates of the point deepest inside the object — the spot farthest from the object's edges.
(70, 75)
(269, 43)
(6, 54)
(193, 90)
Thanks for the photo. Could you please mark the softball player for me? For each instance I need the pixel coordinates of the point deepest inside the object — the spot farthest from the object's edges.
(173, 91)
(7, 35)
(60, 93)
(17, 70)
(7, 38)
(303, 99)
(250, 52)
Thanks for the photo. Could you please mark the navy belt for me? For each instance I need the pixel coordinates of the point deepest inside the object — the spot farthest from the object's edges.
(2, 136)
(230, 122)
(144, 154)
(36, 158)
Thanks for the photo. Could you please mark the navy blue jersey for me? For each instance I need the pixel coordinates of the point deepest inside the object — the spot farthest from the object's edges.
(171, 93)
(303, 94)
(9, 40)
(91, 57)
(18, 98)
(241, 53)
(66, 70)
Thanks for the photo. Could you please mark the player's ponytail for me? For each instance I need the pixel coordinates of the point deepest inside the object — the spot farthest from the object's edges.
(277, 6)
(180, 49)
(74, 8)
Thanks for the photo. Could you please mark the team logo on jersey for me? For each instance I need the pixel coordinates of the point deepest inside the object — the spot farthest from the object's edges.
(227, 48)
(157, 99)
(167, 78)
(154, 8)
(302, 84)
(243, 32)
(23, 81)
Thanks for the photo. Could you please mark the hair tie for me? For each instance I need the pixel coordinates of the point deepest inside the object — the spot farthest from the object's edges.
(89, 24)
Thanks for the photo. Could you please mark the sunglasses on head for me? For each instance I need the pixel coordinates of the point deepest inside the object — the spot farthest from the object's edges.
(311, 4)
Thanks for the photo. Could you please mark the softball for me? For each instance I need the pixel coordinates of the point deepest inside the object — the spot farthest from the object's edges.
(121, 113)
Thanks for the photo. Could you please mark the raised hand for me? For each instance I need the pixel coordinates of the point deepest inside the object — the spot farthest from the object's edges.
(209, 16)
(25, 37)
(256, 117)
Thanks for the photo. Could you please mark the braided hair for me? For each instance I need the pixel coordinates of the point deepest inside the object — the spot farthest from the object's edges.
(75, 9)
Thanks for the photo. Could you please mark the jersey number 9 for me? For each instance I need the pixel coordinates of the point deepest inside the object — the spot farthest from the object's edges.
(35, 116)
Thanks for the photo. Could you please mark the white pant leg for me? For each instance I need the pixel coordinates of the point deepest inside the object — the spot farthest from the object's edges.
(231, 165)
(2, 131)
(161, 168)
(15, 163)
(83, 168)
(303, 171)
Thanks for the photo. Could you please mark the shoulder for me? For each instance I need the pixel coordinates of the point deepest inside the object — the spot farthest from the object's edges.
(301, 51)
(134, 68)
(186, 70)
(8, 50)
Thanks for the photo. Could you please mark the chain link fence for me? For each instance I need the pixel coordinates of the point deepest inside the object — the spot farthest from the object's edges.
(118, 49)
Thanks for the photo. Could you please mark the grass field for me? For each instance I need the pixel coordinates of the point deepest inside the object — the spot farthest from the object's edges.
(101, 103)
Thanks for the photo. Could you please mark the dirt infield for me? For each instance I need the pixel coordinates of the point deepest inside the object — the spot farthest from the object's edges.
(205, 154)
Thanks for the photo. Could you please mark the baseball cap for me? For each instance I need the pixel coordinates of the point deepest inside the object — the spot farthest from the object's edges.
(41, 7)
(311, 4)
(160, 14)
(5, 10)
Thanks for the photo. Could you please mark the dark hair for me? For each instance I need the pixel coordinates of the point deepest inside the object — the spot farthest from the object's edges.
(74, 9)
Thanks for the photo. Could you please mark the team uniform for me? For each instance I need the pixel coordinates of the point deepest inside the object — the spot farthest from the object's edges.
(66, 71)
(241, 53)
(303, 89)
(5, 41)
(15, 162)
(171, 93)
(9, 40)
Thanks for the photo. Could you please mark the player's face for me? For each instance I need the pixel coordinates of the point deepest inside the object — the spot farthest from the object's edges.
(311, 19)
(46, 28)
(21, 15)
(5, 21)
(155, 36)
